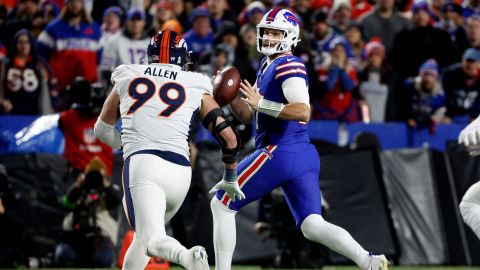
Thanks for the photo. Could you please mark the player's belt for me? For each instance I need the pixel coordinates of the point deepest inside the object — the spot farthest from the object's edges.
(167, 155)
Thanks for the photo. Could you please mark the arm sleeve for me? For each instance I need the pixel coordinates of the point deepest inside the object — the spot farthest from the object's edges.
(295, 90)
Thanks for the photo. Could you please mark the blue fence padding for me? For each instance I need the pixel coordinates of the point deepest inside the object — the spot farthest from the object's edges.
(390, 135)
(21, 134)
(323, 130)
(38, 134)
(438, 140)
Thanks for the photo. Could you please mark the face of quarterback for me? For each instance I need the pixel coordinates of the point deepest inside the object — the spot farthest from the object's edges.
(271, 37)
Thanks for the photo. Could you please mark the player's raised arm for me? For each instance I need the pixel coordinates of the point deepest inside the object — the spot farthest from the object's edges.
(105, 126)
(229, 140)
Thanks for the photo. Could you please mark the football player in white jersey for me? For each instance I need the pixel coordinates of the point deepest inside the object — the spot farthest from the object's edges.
(127, 47)
(470, 204)
(157, 102)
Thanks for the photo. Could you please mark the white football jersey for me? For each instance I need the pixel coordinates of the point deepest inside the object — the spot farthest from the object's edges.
(157, 103)
(123, 50)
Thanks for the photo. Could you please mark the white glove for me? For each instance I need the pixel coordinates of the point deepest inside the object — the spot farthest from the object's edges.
(470, 137)
(231, 188)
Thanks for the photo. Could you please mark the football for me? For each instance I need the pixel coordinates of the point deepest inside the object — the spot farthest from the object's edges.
(226, 85)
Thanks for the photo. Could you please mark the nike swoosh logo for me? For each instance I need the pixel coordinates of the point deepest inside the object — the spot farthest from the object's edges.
(288, 60)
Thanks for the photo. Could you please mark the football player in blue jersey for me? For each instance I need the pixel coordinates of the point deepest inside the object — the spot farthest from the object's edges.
(284, 157)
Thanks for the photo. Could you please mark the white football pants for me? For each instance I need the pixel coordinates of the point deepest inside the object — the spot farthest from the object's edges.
(156, 189)
(470, 208)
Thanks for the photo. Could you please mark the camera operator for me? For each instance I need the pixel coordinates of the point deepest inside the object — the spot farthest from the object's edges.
(90, 232)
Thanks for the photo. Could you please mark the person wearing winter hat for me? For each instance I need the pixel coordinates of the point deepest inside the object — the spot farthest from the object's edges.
(340, 15)
(200, 37)
(112, 23)
(129, 47)
(376, 84)
(453, 23)
(426, 98)
(461, 83)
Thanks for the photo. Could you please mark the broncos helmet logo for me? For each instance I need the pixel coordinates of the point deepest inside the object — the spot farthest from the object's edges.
(168, 47)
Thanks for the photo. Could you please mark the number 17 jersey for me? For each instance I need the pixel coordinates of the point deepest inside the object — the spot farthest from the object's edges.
(157, 104)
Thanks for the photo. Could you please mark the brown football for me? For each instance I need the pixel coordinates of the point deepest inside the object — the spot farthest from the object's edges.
(226, 85)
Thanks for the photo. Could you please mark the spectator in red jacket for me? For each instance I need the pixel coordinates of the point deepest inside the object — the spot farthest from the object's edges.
(71, 44)
(77, 123)
(336, 86)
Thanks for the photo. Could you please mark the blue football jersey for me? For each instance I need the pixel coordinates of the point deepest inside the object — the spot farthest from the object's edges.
(270, 130)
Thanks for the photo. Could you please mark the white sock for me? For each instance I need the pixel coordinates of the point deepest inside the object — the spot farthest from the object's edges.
(224, 234)
(168, 248)
(135, 257)
(316, 229)
(470, 208)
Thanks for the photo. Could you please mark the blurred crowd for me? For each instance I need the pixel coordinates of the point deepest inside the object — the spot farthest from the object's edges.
(415, 61)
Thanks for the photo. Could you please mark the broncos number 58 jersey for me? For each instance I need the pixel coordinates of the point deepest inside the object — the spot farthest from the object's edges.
(274, 131)
(157, 103)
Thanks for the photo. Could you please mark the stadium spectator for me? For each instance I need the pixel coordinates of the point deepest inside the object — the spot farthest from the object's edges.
(252, 13)
(77, 123)
(89, 232)
(384, 22)
(471, 8)
(473, 31)
(320, 38)
(221, 57)
(200, 37)
(336, 85)
(354, 36)
(453, 23)
(376, 84)
(248, 34)
(303, 9)
(227, 34)
(48, 11)
(340, 16)
(26, 78)
(130, 47)
(426, 97)
(462, 88)
(220, 12)
(420, 43)
(71, 44)
(180, 13)
(112, 24)
(164, 12)
(21, 17)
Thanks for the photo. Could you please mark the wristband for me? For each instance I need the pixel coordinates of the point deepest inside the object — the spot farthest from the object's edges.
(230, 175)
(271, 108)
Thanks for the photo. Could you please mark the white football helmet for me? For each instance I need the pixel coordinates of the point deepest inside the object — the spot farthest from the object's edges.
(283, 20)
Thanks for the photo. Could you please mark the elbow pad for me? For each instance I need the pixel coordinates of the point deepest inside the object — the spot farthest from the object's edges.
(107, 134)
(229, 155)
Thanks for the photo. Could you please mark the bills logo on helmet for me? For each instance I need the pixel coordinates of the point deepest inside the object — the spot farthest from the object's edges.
(291, 18)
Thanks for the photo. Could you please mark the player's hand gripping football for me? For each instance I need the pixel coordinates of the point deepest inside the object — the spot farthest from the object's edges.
(230, 185)
(251, 93)
(470, 137)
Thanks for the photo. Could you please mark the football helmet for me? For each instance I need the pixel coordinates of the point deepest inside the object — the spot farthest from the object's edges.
(278, 19)
(168, 47)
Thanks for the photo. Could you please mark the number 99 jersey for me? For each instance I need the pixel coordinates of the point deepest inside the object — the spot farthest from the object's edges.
(157, 104)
